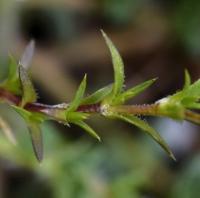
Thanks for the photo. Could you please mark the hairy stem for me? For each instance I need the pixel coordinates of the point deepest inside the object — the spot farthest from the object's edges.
(192, 116)
(8, 97)
(146, 109)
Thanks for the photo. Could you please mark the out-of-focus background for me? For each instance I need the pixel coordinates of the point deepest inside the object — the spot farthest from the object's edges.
(156, 38)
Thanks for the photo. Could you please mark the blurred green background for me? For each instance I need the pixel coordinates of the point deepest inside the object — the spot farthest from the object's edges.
(156, 38)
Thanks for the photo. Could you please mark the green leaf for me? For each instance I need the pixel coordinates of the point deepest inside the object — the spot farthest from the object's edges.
(24, 113)
(193, 90)
(33, 120)
(187, 96)
(130, 93)
(187, 79)
(148, 129)
(76, 116)
(118, 66)
(30, 116)
(88, 129)
(12, 82)
(78, 97)
(193, 106)
(97, 96)
(36, 138)
(28, 92)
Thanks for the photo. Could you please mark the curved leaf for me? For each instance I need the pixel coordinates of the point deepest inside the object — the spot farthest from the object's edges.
(130, 93)
(88, 129)
(78, 96)
(118, 66)
(36, 138)
(148, 129)
(97, 96)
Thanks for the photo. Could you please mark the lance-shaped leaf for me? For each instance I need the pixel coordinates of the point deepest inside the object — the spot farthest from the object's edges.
(148, 129)
(118, 66)
(187, 98)
(97, 96)
(30, 116)
(187, 82)
(7, 131)
(33, 120)
(36, 138)
(28, 92)
(78, 96)
(27, 56)
(130, 93)
(88, 129)
(12, 82)
(26, 115)
(76, 116)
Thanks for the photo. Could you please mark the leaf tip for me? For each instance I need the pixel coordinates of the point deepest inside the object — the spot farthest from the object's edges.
(105, 37)
(102, 32)
(187, 80)
(154, 79)
(171, 155)
(99, 138)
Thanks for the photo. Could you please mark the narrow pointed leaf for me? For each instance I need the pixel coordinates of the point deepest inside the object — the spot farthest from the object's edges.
(76, 116)
(78, 96)
(130, 93)
(193, 90)
(88, 129)
(36, 138)
(30, 116)
(193, 106)
(187, 96)
(13, 69)
(118, 66)
(187, 82)
(7, 131)
(148, 129)
(27, 56)
(28, 92)
(24, 113)
(12, 82)
(97, 96)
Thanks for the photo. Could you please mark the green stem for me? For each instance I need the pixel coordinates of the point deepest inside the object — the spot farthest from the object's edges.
(146, 109)
(153, 110)
(192, 116)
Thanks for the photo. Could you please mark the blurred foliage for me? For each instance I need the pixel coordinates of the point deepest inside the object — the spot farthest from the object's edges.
(120, 12)
(186, 21)
(157, 38)
(82, 169)
(187, 184)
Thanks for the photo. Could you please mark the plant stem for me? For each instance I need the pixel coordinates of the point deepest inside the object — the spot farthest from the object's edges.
(10, 98)
(192, 116)
(146, 109)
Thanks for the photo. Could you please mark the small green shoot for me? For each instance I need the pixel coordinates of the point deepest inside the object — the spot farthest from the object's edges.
(18, 92)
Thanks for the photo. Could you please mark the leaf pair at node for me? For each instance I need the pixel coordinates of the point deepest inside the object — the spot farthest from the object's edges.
(19, 83)
(175, 105)
(118, 96)
(77, 118)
